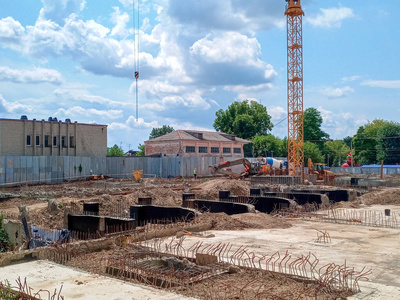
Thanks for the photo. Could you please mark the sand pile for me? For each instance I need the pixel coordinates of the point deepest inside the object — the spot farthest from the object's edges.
(209, 189)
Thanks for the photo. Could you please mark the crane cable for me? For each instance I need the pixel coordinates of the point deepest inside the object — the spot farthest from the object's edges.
(136, 53)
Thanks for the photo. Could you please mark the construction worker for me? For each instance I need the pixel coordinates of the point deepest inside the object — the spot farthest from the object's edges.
(194, 173)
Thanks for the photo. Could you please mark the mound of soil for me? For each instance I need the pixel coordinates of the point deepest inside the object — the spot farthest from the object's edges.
(209, 189)
(221, 221)
(385, 196)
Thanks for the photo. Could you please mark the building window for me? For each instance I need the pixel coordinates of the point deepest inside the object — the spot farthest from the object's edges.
(46, 141)
(64, 142)
(226, 150)
(28, 140)
(54, 141)
(237, 150)
(214, 149)
(203, 150)
(190, 149)
(38, 140)
(71, 142)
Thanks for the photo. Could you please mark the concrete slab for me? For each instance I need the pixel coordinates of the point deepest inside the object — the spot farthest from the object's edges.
(359, 246)
(77, 284)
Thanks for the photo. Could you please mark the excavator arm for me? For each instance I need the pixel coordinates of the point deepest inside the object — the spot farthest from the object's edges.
(219, 168)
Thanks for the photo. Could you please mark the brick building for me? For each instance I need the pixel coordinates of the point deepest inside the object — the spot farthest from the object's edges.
(195, 143)
(51, 138)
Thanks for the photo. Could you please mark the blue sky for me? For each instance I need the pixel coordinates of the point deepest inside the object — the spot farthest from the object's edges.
(75, 59)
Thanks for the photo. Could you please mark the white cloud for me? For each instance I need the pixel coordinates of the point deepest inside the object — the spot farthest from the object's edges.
(339, 125)
(190, 126)
(14, 107)
(248, 89)
(88, 112)
(58, 11)
(277, 112)
(120, 20)
(126, 3)
(11, 32)
(351, 78)
(226, 48)
(157, 87)
(331, 17)
(37, 75)
(221, 57)
(227, 15)
(387, 84)
(79, 94)
(333, 93)
(193, 100)
(133, 123)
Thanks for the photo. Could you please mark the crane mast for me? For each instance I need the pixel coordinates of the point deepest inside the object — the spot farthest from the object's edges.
(294, 15)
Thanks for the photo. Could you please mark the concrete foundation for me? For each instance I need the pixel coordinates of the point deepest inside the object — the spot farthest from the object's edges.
(229, 208)
(301, 198)
(333, 195)
(149, 213)
(289, 180)
(93, 224)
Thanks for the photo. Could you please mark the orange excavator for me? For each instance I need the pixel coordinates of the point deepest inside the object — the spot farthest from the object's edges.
(263, 166)
(220, 168)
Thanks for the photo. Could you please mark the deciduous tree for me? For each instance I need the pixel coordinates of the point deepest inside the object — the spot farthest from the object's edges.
(115, 151)
(365, 142)
(388, 143)
(312, 127)
(156, 132)
(337, 151)
(311, 150)
(244, 119)
(268, 145)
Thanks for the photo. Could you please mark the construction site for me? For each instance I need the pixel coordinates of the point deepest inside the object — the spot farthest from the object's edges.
(204, 238)
(257, 228)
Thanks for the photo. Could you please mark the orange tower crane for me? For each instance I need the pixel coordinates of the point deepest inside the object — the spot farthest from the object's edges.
(294, 15)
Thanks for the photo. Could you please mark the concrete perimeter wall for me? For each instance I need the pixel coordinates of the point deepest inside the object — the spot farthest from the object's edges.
(54, 169)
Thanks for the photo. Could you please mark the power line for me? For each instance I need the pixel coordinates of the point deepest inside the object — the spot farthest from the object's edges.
(280, 121)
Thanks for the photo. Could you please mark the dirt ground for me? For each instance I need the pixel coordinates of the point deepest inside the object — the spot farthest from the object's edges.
(358, 246)
(114, 196)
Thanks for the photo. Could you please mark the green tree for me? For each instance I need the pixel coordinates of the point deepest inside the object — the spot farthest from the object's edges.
(285, 147)
(244, 119)
(348, 140)
(337, 151)
(141, 151)
(311, 150)
(312, 127)
(156, 132)
(267, 145)
(4, 239)
(365, 142)
(115, 151)
(388, 143)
